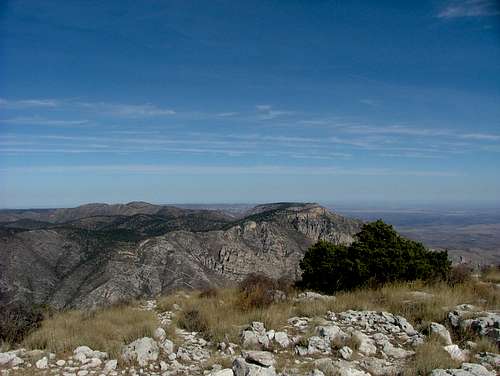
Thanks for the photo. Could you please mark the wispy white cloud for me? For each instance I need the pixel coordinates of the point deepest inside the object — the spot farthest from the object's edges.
(481, 136)
(469, 8)
(108, 108)
(127, 110)
(227, 114)
(228, 170)
(368, 102)
(397, 130)
(37, 120)
(28, 103)
(266, 112)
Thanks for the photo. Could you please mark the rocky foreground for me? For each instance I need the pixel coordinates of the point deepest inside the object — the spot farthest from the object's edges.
(349, 343)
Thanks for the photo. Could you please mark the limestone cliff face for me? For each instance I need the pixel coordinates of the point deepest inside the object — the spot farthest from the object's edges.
(68, 267)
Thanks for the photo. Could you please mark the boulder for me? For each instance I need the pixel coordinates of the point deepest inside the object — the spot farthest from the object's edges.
(42, 363)
(110, 365)
(142, 351)
(261, 358)
(487, 358)
(92, 363)
(87, 352)
(455, 353)
(346, 352)
(249, 339)
(315, 372)
(396, 352)
(441, 332)
(222, 372)
(380, 367)
(10, 359)
(467, 369)
(243, 368)
(255, 336)
(365, 343)
(282, 339)
(159, 334)
(331, 332)
(318, 345)
(310, 295)
(167, 346)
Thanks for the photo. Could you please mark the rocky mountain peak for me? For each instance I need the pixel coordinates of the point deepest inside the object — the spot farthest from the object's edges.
(283, 207)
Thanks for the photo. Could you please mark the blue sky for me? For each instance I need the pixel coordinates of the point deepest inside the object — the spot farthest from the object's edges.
(249, 101)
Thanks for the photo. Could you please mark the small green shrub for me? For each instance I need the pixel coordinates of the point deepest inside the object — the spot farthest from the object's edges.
(378, 256)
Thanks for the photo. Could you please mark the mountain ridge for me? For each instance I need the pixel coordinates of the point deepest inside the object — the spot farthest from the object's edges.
(98, 260)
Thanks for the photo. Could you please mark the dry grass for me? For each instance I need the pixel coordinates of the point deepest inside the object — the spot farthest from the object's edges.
(484, 345)
(224, 361)
(285, 362)
(105, 330)
(222, 318)
(222, 314)
(492, 275)
(429, 356)
(397, 299)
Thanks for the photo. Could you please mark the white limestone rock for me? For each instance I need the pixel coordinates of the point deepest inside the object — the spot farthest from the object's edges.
(331, 332)
(167, 346)
(92, 363)
(455, 353)
(142, 351)
(366, 345)
(315, 372)
(160, 334)
(10, 359)
(243, 368)
(346, 352)
(42, 363)
(467, 369)
(110, 365)
(222, 372)
(318, 345)
(282, 339)
(261, 358)
(441, 332)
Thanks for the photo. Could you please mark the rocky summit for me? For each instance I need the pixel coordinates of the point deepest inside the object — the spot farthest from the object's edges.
(99, 254)
(347, 343)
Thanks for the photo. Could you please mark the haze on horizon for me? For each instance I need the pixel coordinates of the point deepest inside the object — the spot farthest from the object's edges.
(233, 102)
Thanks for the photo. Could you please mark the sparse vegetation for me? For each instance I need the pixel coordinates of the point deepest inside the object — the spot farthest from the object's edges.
(461, 273)
(492, 274)
(106, 329)
(256, 291)
(222, 317)
(219, 316)
(16, 321)
(429, 356)
(378, 256)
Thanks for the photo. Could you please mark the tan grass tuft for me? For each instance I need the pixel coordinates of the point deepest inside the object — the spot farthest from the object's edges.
(428, 357)
(104, 330)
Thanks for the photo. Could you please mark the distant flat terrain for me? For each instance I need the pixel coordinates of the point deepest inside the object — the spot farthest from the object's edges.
(473, 234)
